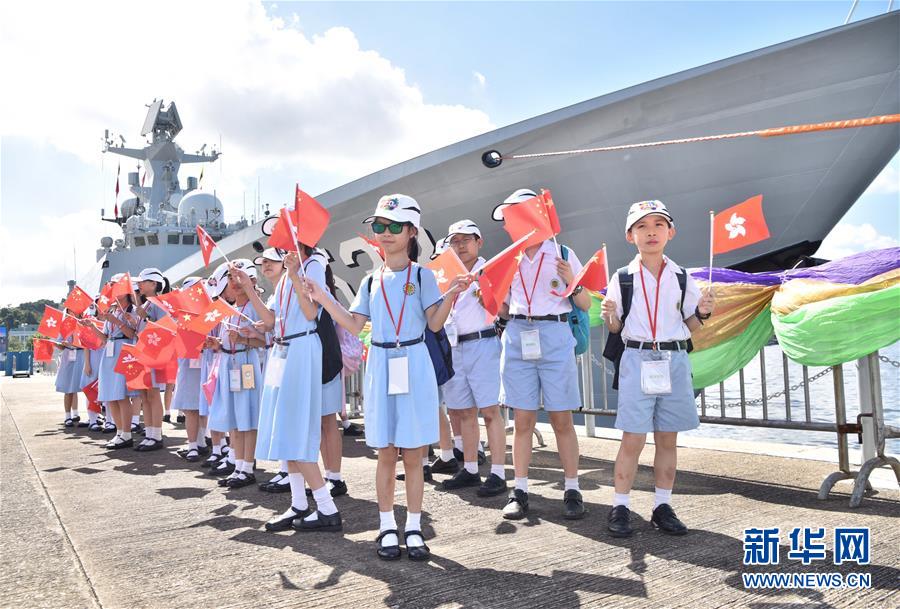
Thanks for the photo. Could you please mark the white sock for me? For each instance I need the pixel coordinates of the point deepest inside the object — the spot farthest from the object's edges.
(92, 417)
(324, 502)
(425, 461)
(499, 471)
(248, 467)
(663, 495)
(192, 446)
(471, 466)
(457, 442)
(223, 443)
(480, 446)
(217, 450)
(522, 484)
(201, 435)
(572, 484)
(327, 473)
(231, 457)
(621, 499)
(388, 523)
(68, 415)
(286, 480)
(345, 423)
(284, 466)
(136, 419)
(298, 492)
(446, 455)
(334, 476)
(413, 523)
(238, 465)
(125, 435)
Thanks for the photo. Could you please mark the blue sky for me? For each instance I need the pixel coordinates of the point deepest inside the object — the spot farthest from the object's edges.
(425, 74)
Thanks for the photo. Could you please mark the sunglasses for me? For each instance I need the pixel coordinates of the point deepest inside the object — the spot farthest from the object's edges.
(395, 228)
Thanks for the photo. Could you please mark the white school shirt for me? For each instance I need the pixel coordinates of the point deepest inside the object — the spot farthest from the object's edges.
(467, 314)
(542, 301)
(670, 321)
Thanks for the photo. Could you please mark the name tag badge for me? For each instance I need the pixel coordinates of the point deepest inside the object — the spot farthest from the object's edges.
(110, 348)
(234, 379)
(279, 351)
(398, 373)
(194, 362)
(531, 344)
(452, 334)
(274, 371)
(248, 378)
(655, 375)
(72, 355)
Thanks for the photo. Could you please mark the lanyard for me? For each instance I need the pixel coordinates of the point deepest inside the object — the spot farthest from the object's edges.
(533, 285)
(397, 324)
(282, 321)
(655, 316)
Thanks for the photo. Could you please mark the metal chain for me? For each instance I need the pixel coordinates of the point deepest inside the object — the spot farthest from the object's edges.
(888, 360)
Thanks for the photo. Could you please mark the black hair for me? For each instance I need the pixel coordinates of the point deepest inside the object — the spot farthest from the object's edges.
(329, 280)
(412, 247)
(164, 287)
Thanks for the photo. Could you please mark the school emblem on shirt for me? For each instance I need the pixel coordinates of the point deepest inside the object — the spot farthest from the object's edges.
(409, 289)
(554, 283)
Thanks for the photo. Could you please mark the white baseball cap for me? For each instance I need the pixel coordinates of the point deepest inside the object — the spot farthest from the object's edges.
(190, 281)
(151, 274)
(218, 280)
(463, 227)
(646, 208)
(273, 254)
(522, 194)
(398, 208)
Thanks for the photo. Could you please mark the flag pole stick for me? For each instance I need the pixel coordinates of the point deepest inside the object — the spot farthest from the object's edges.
(711, 223)
(605, 263)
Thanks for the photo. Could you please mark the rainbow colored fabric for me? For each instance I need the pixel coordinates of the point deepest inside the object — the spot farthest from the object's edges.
(821, 316)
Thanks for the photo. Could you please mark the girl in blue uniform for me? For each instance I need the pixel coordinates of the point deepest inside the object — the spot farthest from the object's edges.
(187, 398)
(118, 328)
(90, 370)
(235, 405)
(401, 409)
(150, 283)
(68, 375)
(291, 404)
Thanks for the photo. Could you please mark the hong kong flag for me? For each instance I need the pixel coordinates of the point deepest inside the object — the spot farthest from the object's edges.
(105, 301)
(209, 319)
(154, 338)
(206, 244)
(739, 226)
(78, 301)
(50, 322)
(446, 267)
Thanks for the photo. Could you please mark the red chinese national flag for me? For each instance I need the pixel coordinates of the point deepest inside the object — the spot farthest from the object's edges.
(497, 276)
(122, 287)
(106, 298)
(78, 301)
(209, 319)
(50, 322)
(206, 244)
(446, 267)
(43, 350)
(67, 326)
(592, 276)
(527, 216)
(547, 198)
(739, 226)
(310, 218)
(194, 299)
(88, 338)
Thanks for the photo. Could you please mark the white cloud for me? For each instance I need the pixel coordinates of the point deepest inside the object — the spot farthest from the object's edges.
(888, 181)
(846, 239)
(480, 78)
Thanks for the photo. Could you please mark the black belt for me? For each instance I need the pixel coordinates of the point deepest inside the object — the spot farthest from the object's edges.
(233, 351)
(477, 335)
(285, 340)
(672, 345)
(394, 345)
(74, 348)
(117, 338)
(561, 317)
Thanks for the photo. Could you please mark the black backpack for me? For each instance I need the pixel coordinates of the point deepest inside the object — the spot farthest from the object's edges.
(332, 361)
(437, 342)
(615, 347)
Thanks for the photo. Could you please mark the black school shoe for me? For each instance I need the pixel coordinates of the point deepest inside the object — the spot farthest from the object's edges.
(321, 523)
(445, 467)
(167, 418)
(462, 479)
(70, 422)
(211, 461)
(665, 520)
(146, 448)
(263, 486)
(492, 486)
(222, 469)
(388, 552)
(353, 430)
(284, 524)
(337, 487)
(573, 505)
(241, 480)
(426, 474)
(417, 553)
(123, 444)
(618, 522)
(109, 428)
(516, 506)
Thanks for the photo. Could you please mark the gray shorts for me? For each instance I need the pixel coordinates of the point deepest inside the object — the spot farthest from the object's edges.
(476, 381)
(642, 413)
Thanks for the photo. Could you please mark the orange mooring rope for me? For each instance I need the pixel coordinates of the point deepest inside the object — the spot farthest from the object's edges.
(853, 123)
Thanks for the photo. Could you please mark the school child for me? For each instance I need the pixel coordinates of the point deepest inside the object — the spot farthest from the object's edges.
(187, 398)
(537, 365)
(221, 461)
(235, 404)
(291, 405)
(655, 390)
(68, 376)
(151, 283)
(475, 385)
(89, 372)
(400, 387)
(117, 329)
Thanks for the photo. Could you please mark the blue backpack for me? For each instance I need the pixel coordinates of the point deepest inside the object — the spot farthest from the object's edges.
(437, 342)
(579, 321)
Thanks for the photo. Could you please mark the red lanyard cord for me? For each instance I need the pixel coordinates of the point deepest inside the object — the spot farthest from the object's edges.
(655, 317)
(397, 324)
(528, 298)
